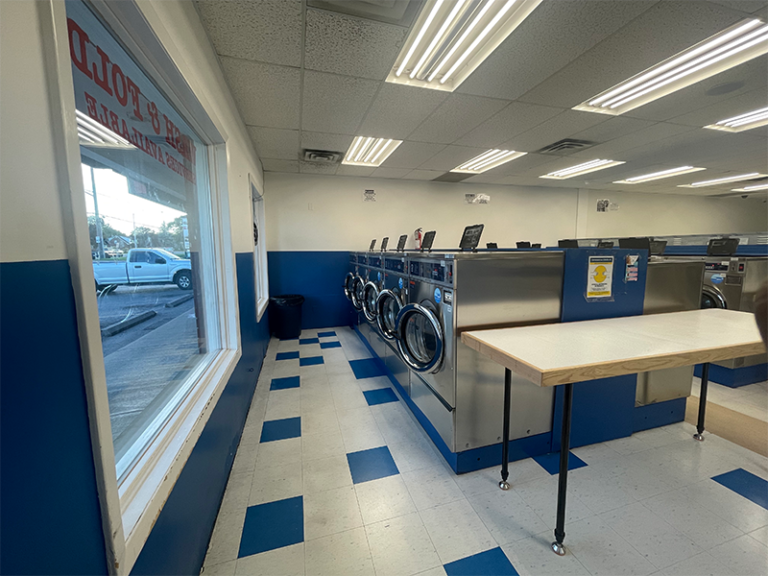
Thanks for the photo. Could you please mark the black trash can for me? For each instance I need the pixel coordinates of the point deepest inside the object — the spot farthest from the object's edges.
(285, 315)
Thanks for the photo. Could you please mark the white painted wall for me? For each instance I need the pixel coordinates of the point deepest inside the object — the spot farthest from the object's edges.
(311, 212)
(30, 205)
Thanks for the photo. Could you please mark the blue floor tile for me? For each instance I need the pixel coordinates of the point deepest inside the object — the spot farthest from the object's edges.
(745, 484)
(551, 462)
(308, 341)
(366, 368)
(285, 383)
(334, 344)
(281, 429)
(326, 334)
(380, 396)
(287, 355)
(489, 563)
(311, 361)
(272, 525)
(371, 464)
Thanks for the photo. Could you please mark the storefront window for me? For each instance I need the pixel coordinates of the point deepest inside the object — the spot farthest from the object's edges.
(150, 222)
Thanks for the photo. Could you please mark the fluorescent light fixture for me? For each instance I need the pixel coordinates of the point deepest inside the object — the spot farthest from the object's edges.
(659, 175)
(451, 38)
(747, 121)
(488, 160)
(591, 166)
(369, 151)
(741, 42)
(753, 188)
(726, 180)
(95, 135)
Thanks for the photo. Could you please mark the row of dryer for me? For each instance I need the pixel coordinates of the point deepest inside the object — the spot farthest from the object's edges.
(412, 308)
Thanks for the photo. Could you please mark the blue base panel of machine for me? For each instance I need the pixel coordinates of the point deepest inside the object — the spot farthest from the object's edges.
(735, 377)
(659, 414)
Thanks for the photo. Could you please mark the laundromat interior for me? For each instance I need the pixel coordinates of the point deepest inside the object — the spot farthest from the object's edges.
(384, 287)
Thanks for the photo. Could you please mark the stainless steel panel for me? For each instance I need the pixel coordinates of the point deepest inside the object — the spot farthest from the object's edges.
(755, 273)
(508, 289)
(440, 417)
(398, 368)
(480, 401)
(671, 286)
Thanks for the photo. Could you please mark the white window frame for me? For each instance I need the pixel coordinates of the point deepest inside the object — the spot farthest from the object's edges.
(260, 265)
(129, 510)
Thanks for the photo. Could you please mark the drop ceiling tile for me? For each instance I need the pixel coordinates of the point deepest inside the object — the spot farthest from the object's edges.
(614, 127)
(266, 95)
(614, 149)
(322, 141)
(746, 6)
(352, 46)
(722, 109)
(515, 119)
(397, 109)
(313, 168)
(455, 117)
(658, 33)
(275, 142)
(450, 157)
(265, 31)
(534, 52)
(564, 125)
(345, 170)
(335, 104)
(412, 154)
(382, 172)
(423, 174)
(274, 165)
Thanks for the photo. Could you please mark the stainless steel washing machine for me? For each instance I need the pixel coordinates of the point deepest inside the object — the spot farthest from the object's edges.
(371, 276)
(672, 285)
(392, 297)
(460, 391)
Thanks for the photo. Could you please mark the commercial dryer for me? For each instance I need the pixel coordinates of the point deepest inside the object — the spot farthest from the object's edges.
(457, 389)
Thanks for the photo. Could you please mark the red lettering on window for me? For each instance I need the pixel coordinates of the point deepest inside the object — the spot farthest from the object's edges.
(81, 60)
(118, 84)
(152, 109)
(135, 92)
(90, 104)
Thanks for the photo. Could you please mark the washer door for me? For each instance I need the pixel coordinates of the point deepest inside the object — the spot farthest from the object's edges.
(349, 280)
(357, 293)
(421, 341)
(388, 306)
(711, 297)
(370, 293)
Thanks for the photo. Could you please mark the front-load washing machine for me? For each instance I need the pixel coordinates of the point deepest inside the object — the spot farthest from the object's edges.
(367, 289)
(392, 297)
(457, 389)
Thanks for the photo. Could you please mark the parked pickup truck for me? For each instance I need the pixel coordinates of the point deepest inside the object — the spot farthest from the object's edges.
(144, 266)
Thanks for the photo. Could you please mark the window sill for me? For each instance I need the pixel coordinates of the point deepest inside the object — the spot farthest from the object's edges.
(261, 307)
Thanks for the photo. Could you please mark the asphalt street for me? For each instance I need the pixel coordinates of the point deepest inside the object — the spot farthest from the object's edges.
(128, 301)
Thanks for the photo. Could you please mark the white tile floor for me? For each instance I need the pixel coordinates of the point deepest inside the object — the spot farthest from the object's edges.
(642, 505)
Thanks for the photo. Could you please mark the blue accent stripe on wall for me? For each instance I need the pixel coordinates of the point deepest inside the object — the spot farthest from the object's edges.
(318, 276)
(746, 484)
(50, 517)
(179, 539)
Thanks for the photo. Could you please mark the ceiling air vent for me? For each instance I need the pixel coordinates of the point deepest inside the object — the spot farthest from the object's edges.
(321, 156)
(566, 146)
(453, 177)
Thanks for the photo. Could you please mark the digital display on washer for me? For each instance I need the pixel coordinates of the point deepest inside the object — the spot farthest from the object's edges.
(401, 242)
(722, 246)
(471, 237)
(396, 265)
(384, 243)
(429, 238)
(372, 246)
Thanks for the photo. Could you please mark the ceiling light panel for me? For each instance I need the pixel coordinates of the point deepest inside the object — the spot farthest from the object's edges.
(742, 122)
(451, 38)
(370, 151)
(585, 168)
(660, 175)
(753, 188)
(741, 42)
(726, 180)
(488, 160)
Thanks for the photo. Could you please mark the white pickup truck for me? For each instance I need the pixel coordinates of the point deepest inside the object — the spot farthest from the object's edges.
(144, 266)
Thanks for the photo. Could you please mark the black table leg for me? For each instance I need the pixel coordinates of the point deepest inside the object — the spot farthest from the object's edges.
(504, 485)
(565, 444)
(702, 402)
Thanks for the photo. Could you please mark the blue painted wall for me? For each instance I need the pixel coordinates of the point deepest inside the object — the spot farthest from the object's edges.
(179, 539)
(318, 276)
(50, 518)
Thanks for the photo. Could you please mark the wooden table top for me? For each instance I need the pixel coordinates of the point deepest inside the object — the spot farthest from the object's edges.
(555, 354)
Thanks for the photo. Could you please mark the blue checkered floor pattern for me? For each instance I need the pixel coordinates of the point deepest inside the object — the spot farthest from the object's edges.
(333, 476)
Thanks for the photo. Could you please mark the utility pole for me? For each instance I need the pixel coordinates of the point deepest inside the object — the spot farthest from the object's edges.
(135, 244)
(99, 236)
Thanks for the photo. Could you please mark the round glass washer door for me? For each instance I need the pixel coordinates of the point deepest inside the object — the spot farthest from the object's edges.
(357, 293)
(420, 341)
(388, 306)
(349, 281)
(711, 297)
(370, 293)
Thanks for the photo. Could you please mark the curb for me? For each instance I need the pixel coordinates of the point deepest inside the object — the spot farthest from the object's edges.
(179, 301)
(128, 323)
